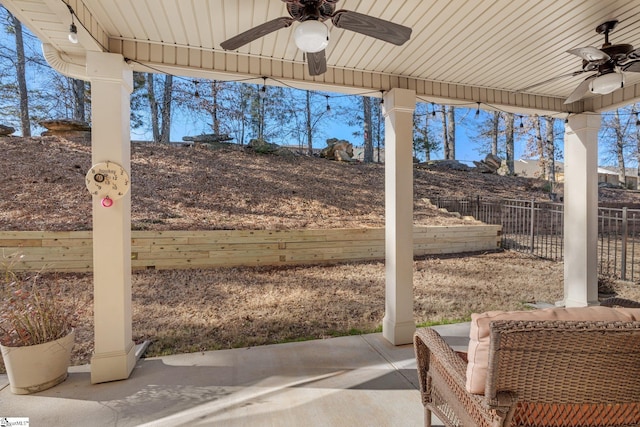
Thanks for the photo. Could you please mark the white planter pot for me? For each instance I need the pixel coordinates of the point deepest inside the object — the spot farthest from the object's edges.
(35, 368)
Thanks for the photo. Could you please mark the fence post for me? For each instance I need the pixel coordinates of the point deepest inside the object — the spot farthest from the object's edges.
(533, 217)
(623, 253)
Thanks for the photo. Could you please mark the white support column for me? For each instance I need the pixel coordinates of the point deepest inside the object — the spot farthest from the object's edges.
(111, 86)
(398, 324)
(581, 211)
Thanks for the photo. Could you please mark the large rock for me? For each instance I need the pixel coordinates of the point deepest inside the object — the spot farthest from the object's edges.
(490, 164)
(66, 128)
(65, 124)
(208, 138)
(444, 164)
(263, 147)
(6, 130)
(339, 150)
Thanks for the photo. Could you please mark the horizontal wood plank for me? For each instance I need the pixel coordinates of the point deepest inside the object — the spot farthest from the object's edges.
(73, 251)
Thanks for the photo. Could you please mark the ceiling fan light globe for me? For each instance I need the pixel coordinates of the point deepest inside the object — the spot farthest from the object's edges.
(311, 36)
(606, 83)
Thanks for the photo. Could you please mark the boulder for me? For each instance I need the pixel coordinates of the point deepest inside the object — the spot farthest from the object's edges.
(66, 128)
(263, 147)
(490, 164)
(339, 150)
(65, 124)
(208, 138)
(444, 164)
(6, 130)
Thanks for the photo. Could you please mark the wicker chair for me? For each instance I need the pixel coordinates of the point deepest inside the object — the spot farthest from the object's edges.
(540, 373)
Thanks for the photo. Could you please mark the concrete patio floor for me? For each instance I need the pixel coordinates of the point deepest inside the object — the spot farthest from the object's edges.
(347, 381)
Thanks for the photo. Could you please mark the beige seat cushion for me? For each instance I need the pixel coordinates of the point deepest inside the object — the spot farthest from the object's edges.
(479, 336)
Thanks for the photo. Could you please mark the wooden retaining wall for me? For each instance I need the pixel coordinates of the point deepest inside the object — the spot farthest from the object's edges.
(72, 251)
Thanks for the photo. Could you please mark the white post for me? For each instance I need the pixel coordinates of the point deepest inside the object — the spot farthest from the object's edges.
(398, 324)
(114, 355)
(581, 211)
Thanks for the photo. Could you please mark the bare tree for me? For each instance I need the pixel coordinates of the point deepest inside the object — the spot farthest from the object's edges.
(549, 150)
(615, 139)
(166, 109)
(451, 132)
(634, 110)
(368, 137)
(509, 141)
(495, 121)
(308, 123)
(215, 88)
(79, 104)
(620, 146)
(160, 109)
(423, 138)
(21, 77)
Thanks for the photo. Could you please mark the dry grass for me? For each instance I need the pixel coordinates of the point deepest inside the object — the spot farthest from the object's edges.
(197, 310)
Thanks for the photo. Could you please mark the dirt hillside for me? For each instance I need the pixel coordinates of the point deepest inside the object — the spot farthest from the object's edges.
(174, 187)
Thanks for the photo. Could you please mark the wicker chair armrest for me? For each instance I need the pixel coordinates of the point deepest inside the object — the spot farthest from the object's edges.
(620, 302)
(428, 342)
(451, 369)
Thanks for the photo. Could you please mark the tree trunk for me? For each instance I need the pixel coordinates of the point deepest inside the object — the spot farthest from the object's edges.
(308, 124)
(539, 146)
(78, 96)
(549, 149)
(622, 174)
(451, 132)
(379, 131)
(214, 109)
(637, 142)
(25, 122)
(509, 124)
(427, 143)
(496, 130)
(445, 135)
(368, 143)
(153, 104)
(166, 109)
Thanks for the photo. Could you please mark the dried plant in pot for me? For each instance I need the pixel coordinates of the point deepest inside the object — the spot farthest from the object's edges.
(36, 328)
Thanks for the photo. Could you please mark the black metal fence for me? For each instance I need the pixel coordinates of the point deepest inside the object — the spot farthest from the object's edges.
(537, 228)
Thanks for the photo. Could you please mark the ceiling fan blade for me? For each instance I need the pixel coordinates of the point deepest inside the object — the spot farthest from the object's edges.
(633, 67)
(373, 27)
(590, 54)
(256, 32)
(553, 79)
(317, 63)
(580, 91)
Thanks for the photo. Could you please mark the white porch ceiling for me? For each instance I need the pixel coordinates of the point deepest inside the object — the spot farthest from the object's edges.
(460, 51)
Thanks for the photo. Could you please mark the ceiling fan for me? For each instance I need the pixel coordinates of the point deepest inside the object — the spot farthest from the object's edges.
(607, 65)
(312, 35)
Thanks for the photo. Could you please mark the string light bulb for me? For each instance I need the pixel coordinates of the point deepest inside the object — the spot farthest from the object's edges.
(328, 106)
(433, 109)
(521, 124)
(73, 30)
(263, 90)
(196, 94)
(637, 119)
(478, 110)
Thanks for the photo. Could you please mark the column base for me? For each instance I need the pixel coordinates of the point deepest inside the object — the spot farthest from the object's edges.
(575, 303)
(113, 366)
(398, 333)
